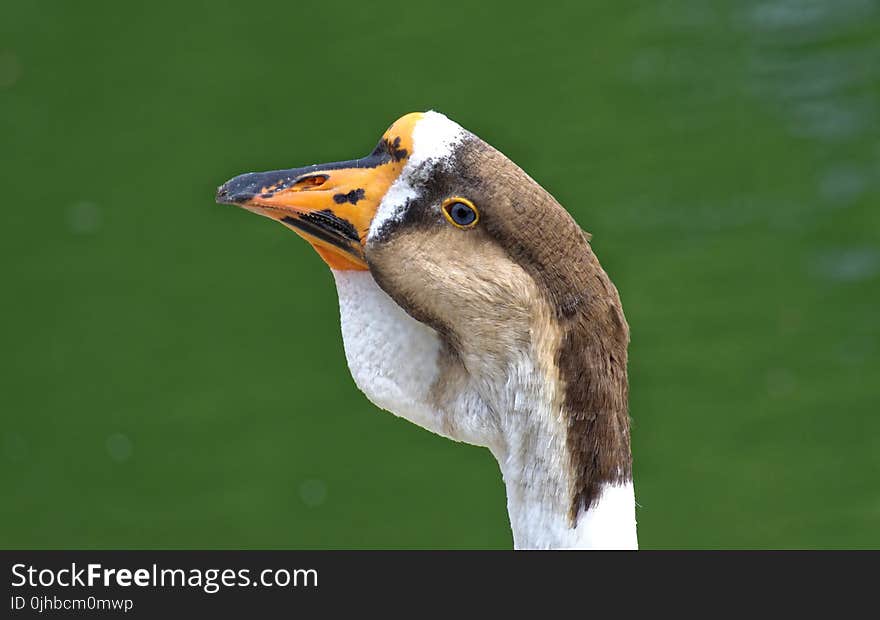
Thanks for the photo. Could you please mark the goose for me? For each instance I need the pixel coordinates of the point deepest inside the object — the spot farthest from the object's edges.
(472, 304)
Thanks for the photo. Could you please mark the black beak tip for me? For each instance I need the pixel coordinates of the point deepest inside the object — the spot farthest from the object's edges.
(224, 196)
(238, 190)
(231, 193)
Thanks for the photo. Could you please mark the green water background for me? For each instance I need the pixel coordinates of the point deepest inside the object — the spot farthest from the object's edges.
(172, 370)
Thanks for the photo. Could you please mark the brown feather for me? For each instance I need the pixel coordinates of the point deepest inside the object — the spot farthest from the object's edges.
(543, 238)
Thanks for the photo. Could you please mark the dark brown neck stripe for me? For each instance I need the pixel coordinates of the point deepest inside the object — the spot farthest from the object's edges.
(541, 236)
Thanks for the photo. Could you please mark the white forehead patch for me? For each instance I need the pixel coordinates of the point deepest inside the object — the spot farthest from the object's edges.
(434, 137)
(434, 140)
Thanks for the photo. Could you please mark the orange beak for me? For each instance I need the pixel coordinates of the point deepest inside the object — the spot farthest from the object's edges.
(329, 205)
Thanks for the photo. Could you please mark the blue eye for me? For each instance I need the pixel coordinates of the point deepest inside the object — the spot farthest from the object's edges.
(460, 212)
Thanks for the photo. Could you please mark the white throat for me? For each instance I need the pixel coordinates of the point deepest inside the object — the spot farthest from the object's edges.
(395, 360)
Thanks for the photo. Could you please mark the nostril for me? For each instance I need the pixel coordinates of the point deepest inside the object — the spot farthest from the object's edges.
(311, 181)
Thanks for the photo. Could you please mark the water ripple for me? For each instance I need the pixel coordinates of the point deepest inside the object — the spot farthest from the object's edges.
(819, 62)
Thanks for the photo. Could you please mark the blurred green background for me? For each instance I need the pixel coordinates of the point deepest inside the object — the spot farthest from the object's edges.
(725, 156)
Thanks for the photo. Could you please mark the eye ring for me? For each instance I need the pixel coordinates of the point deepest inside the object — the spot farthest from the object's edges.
(460, 212)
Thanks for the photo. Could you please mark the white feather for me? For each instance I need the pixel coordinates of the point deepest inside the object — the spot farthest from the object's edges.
(434, 140)
(394, 361)
(391, 356)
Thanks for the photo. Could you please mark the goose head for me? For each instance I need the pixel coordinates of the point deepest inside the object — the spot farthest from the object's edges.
(472, 305)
